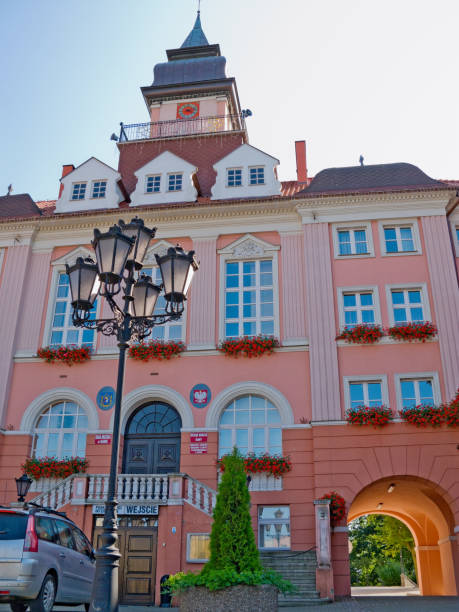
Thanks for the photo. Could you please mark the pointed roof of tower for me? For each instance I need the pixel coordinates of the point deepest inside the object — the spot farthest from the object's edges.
(196, 38)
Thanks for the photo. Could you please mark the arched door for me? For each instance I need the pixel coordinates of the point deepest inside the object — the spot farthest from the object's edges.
(152, 440)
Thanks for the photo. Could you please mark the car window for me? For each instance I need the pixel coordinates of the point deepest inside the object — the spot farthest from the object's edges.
(45, 530)
(82, 544)
(12, 526)
(65, 534)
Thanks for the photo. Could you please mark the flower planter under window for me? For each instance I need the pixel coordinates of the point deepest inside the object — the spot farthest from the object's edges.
(361, 334)
(271, 465)
(378, 416)
(156, 349)
(248, 346)
(49, 467)
(65, 354)
(412, 332)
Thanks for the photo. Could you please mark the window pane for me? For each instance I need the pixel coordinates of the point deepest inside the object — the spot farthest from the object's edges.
(349, 299)
(416, 314)
(258, 417)
(225, 438)
(350, 317)
(389, 233)
(374, 392)
(399, 315)
(368, 316)
(408, 393)
(227, 417)
(273, 416)
(242, 403)
(250, 328)
(259, 437)
(242, 417)
(426, 392)
(242, 440)
(267, 328)
(356, 394)
(397, 297)
(275, 438)
(232, 330)
(414, 297)
(366, 299)
(267, 310)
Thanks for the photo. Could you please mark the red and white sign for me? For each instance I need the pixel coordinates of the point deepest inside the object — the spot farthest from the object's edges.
(198, 443)
(103, 439)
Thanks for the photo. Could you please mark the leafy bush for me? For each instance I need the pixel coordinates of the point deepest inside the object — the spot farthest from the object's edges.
(389, 573)
(215, 580)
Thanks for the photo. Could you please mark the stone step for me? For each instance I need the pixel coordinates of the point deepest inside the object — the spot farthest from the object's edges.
(300, 603)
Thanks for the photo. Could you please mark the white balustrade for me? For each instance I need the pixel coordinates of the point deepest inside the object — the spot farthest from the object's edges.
(200, 496)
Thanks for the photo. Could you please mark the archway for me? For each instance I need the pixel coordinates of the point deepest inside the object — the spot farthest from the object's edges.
(152, 440)
(421, 505)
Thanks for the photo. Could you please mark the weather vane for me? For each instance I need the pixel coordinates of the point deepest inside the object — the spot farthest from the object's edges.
(199, 6)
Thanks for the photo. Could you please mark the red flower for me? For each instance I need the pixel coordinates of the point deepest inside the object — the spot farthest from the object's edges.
(361, 334)
(378, 416)
(156, 349)
(250, 347)
(67, 354)
(412, 331)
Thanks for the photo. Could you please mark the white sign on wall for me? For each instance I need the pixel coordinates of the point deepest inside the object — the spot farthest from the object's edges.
(129, 509)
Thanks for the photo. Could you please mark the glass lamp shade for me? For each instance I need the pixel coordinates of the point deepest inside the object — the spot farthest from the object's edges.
(145, 295)
(177, 269)
(22, 486)
(84, 283)
(112, 250)
(142, 236)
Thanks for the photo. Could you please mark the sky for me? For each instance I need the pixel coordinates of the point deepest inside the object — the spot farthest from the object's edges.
(351, 77)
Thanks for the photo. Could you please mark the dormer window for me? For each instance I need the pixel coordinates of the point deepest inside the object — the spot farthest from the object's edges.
(79, 191)
(98, 189)
(234, 177)
(257, 175)
(153, 183)
(175, 182)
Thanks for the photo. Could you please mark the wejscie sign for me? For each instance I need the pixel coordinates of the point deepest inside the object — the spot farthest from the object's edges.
(129, 509)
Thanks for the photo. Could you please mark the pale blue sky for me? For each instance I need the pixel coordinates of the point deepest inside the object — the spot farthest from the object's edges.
(377, 77)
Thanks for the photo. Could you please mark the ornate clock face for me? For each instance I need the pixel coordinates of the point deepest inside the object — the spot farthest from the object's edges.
(188, 110)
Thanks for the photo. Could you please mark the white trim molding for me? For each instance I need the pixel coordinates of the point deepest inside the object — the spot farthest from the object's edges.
(353, 226)
(422, 287)
(411, 223)
(377, 378)
(56, 395)
(249, 387)
(373, 289)
(152, 393)
(417, 376)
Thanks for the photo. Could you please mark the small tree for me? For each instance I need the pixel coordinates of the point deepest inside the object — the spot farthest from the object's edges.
(232, 541)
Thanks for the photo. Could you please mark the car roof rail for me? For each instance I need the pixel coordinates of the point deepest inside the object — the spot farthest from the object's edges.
(47, 509)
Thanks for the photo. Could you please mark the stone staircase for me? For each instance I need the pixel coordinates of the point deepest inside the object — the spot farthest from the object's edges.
(300, 568)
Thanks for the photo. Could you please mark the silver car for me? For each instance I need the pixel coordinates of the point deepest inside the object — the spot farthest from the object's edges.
(44, 559)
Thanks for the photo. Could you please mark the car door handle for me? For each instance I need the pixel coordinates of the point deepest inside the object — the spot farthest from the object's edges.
(62, 555)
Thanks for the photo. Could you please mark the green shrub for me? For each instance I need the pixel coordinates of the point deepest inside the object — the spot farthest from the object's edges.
(389, 573)
(220, 579)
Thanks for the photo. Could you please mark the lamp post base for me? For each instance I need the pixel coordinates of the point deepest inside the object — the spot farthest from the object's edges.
(105, 590)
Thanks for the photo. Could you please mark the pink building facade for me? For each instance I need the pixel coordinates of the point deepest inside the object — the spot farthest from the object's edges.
(298, 261)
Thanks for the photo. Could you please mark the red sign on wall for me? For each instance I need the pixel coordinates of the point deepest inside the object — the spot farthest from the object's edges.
(198, 443)
(103, 439)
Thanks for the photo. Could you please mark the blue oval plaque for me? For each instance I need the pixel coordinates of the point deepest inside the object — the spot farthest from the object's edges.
(106, 398)
(200, 395)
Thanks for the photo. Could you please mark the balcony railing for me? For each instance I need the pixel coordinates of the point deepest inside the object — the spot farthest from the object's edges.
(181, 127)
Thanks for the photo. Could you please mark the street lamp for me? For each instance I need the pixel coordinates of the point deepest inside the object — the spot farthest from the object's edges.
(23, 485)
(119, 255)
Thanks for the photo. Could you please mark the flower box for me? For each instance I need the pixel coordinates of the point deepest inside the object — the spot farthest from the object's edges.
(378, 416)
(275, 466)
(49, 467)
(412, 332)
(423, 416)
(451, 411)
(156, 349)
(361, 334)
(66, 354)
(337, 506)
(249, 346)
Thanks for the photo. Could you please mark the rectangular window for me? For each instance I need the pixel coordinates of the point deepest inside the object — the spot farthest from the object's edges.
(416, 391)
(274, 527)
(368, 393)
(98, 189)
(249, 298)
(234, 177)
(62, 330)
(352, 242)
(79, 191)
(173, 330)
(407, 305)
(153, 183)
(198, 547)
(175, 182)
(257, 175)
(358, 307)
(399, 239)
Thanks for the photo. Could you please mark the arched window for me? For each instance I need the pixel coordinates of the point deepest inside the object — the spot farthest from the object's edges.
(155, 418)
(61, 431)
(253, 424)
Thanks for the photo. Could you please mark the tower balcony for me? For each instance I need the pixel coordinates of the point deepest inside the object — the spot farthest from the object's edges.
(181, 128)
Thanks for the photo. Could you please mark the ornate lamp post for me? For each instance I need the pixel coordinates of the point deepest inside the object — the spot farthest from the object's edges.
(22, 486)
(119, 256)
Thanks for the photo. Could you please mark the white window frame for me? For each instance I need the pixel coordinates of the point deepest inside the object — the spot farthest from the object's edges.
(398, 224)
(188, 547)
(262, 522)
(58, 266)
(433, 376)
(85, 183)
(60, 431)
(376, 378)
(347, 227)
(169, 174)
(256, 168)
(363, 289)
(422, 287)
(227, 177)
(102, 180)
(147, 176)
(248, 248)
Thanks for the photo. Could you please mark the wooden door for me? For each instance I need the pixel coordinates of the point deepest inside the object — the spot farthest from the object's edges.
(137, 571)
(154, 454)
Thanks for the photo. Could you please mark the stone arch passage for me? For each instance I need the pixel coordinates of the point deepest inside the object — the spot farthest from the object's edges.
(421, 505)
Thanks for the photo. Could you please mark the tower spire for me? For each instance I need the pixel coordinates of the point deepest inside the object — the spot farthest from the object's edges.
(196, 38)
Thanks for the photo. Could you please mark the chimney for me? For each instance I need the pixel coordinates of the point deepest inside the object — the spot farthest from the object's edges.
(301, 169)
(66, 169)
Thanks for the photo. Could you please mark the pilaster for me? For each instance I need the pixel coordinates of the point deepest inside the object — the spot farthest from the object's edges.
(202, 312)
(293, 289)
